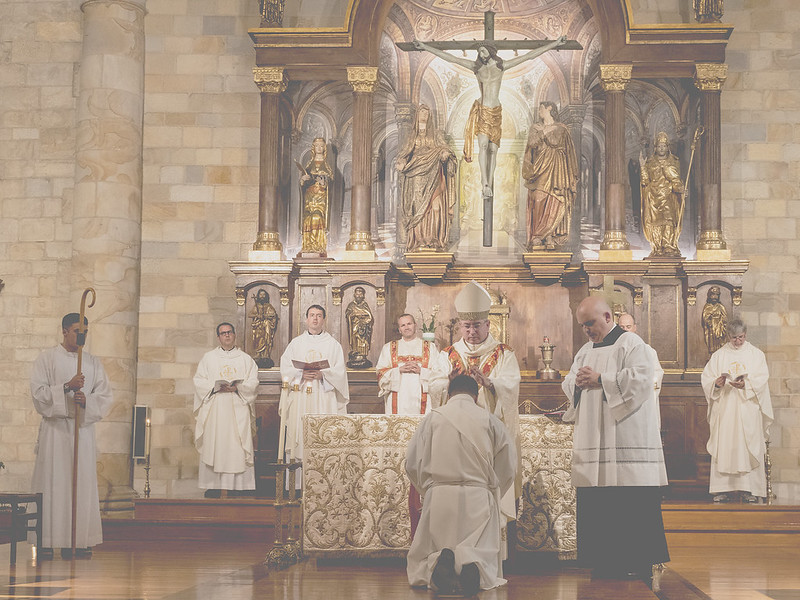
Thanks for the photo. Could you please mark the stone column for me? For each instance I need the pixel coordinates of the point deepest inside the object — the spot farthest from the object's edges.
(709, 78)
(360, 246)
(614, 79)
(107, 220)
(271, 82)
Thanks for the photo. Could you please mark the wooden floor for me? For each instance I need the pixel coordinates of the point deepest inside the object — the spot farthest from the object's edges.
(164, 570)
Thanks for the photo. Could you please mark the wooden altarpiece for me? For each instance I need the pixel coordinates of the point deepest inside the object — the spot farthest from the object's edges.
(539, 292)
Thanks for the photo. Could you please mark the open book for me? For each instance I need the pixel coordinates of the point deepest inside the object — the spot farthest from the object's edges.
(741, 377)
(312, 366)
(220, 383)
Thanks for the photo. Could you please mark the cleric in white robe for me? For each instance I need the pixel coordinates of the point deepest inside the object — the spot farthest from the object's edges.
(56, 388)
(739, 416)
(618, 461)
(225, 415)
(404, 369)
(462, 459)
(310, 391)
(492, 364)
(628, 323)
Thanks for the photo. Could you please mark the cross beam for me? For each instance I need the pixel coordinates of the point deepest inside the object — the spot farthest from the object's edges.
(488, 37)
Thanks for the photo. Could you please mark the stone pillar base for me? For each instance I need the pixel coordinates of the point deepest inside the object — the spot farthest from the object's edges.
(359, 255)
(723, 254)
(615, 255)
(264, 255)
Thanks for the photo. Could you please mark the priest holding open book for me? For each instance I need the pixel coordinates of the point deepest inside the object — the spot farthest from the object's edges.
(226, 386)
(315, 382)
(735, 382)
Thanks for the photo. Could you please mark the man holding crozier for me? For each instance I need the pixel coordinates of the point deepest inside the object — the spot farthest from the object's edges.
(57, 388)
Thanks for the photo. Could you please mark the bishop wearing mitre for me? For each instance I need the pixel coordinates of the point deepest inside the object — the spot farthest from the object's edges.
(492, 364)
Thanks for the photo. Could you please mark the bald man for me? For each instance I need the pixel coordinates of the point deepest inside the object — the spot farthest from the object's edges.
(617, 462)
(628, 323)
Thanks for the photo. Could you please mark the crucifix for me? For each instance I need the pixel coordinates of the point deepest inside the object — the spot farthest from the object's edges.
(485, 116)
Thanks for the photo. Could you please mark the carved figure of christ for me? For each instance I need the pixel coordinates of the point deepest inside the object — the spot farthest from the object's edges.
(485, 117)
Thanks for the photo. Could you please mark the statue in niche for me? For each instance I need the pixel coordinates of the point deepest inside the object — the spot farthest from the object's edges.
(427, 169)
(708, 11)
(263, 325)
(315, 184)
(715, 320)
(662, 199)
(550, 172)
(359, 330)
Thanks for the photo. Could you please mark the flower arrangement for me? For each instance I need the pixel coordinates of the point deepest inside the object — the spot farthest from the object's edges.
(429, 323)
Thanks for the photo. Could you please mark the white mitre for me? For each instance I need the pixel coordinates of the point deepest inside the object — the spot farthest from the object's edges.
(473, 302)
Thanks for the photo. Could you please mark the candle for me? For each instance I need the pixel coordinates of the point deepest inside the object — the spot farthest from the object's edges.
(147, 435)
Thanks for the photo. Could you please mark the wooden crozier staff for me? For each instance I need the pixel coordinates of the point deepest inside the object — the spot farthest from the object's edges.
(81, 339)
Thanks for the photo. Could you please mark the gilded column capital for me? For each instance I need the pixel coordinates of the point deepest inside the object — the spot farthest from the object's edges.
(615, 77)
(709, 77)
(363, 79)
(270, 79)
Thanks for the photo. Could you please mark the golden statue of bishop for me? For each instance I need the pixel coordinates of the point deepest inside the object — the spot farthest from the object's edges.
(662, 199)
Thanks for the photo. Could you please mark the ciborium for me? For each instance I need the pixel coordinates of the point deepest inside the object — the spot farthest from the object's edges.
(548, 372)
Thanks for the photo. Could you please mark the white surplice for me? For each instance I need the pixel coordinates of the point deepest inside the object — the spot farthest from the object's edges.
(225, 421)
(739, 420)
(461, 459)
(327, 396)
(52, 473)
(406, 393)
(658, 378)
(616, 437)
(499, 363)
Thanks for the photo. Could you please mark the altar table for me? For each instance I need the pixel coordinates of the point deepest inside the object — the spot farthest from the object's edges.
(355, 496)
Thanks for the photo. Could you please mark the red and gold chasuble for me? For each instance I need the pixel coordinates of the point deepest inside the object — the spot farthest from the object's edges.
(396, 360)
(462, 368)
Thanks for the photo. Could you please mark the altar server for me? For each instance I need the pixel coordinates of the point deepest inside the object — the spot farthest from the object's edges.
(626, 322)
(617, 462)
(56, 389)
(735, 382)
(463, 459)
(313, 369)
(225, 390)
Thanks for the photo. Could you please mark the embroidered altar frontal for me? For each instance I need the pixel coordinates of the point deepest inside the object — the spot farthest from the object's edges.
(355, 497)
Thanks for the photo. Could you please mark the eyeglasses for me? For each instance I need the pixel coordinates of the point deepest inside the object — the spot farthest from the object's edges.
(229, 332)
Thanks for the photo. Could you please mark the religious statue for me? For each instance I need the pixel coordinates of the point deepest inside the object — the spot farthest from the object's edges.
(264, 323)
(662, 199)
(715, 321)
(272, 12)
(708, 11)
(359, 330)
(315, 182)
(550, 172)
(427, 169)
(486, 117)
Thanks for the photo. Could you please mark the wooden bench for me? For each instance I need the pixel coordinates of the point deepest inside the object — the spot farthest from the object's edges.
(21, 521)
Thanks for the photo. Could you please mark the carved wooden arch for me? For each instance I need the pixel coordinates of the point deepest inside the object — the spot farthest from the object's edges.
(654, 50)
